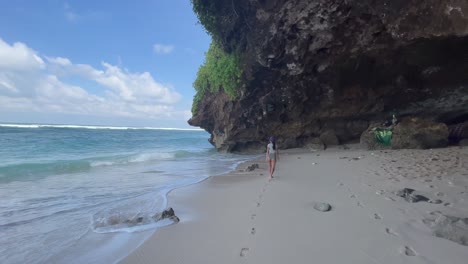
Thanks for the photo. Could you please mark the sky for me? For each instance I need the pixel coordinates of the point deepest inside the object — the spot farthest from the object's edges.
(109, 62)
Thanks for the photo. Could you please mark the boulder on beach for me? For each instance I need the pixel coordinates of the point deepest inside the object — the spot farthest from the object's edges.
(314, 144)
(322, 207)
(329, 138)
(419, 133)
(411, 197)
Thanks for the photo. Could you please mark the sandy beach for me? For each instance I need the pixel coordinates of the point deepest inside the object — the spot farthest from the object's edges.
(244, 218)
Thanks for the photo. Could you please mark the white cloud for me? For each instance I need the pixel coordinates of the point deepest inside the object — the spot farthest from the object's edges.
(19, 57)
(162, 49)
(29, 83)
(59, 60)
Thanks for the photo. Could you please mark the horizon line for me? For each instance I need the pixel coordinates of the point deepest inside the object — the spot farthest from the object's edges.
(39, 125)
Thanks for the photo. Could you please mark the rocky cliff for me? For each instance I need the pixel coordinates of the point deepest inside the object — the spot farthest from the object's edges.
(315, 67)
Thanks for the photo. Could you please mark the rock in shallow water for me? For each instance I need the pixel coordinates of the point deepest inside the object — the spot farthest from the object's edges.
(168, 213)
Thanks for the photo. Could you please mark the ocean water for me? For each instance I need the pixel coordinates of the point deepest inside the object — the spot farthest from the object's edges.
(65, 187)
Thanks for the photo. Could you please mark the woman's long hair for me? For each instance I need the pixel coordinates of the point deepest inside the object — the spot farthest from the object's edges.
(272, 141)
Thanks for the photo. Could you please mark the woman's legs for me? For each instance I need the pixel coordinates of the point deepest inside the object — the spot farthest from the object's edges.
(273, 164)
(270, 166)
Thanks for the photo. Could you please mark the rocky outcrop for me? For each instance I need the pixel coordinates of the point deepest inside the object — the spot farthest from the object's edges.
(410, 133)
(311, 66)
(417, 133)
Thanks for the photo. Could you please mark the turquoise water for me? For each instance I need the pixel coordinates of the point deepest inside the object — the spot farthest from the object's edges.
(59, 184)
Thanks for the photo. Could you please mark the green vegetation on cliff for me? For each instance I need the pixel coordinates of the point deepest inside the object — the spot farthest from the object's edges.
(205, 11)
(220, 71)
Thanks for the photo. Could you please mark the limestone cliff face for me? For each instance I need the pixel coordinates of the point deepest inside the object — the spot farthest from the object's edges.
(312, 66)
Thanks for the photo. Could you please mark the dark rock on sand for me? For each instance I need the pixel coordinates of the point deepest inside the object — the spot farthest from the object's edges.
(166, 214)
(322, 207)
(409, 195)
(449, 227)
(252, 167)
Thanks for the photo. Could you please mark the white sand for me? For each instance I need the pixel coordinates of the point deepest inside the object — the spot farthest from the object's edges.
(244, 218)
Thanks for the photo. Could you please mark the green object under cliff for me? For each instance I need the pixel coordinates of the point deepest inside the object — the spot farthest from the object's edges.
(383, 136)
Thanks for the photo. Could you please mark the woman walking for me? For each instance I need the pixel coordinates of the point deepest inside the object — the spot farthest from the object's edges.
(272, 155)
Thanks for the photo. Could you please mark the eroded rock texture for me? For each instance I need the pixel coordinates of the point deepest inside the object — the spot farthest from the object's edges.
(312, 66)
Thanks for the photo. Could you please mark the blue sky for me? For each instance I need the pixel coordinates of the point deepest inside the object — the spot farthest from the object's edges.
(119, 63)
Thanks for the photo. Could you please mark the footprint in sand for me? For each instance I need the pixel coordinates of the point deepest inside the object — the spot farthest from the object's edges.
(244, 251)
(390, 232)
(360, 204)
(377, 217)
(409, 251)
(352, 196)
(252, 231)
(258, 204)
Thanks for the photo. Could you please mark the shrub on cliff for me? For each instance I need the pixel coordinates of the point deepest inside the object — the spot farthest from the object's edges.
(221, 70)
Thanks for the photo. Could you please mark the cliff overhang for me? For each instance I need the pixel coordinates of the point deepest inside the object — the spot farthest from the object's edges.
(314, 66)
